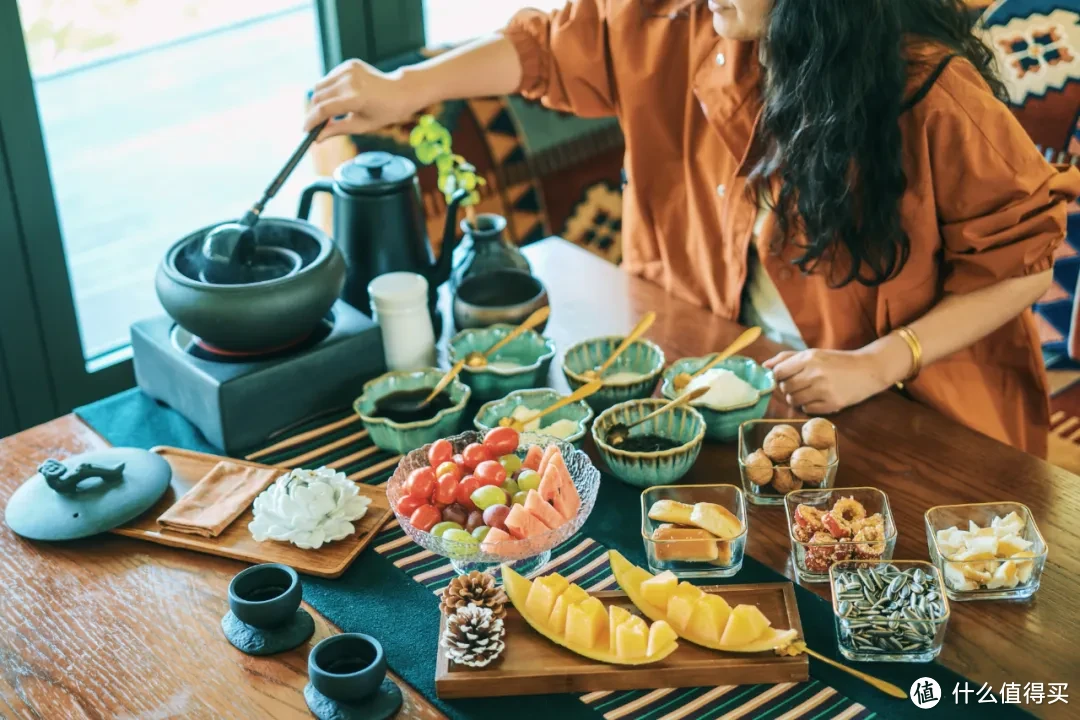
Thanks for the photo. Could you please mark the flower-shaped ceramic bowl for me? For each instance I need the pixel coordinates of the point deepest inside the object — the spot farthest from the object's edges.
(526, 556)
(522, 364)
(723, 425)
(646, 469)
(402, 437)
(537, 399)
(642, 358)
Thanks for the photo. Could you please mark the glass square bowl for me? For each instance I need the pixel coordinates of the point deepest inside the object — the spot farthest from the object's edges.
(1008, 567)
(751, 439)
(686, 557)
(889, 611)
(814, 553)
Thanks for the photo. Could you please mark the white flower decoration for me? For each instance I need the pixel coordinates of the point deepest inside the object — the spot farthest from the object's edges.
(308, 508)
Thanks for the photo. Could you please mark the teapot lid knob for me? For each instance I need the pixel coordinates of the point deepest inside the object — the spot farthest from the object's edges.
(374, 162)
(375, 173)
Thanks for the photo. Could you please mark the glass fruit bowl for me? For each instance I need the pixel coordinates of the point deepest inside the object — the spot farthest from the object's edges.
(526, 555)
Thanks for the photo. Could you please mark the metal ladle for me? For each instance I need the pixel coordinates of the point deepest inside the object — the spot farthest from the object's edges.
(477, 359)
(640, 329)
(618, 433)
(580, 394)
(230, 247)
(746, 339)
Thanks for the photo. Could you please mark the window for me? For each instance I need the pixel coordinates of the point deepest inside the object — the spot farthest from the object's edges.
(451, 22)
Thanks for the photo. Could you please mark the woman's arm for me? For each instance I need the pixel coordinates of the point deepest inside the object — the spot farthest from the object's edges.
(826, 381)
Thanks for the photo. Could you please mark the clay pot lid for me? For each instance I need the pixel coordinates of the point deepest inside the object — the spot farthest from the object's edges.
(71, 508)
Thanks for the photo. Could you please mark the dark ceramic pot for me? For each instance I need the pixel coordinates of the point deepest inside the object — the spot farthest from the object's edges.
(347, 667)
(501, 296)
(306, 274)
(265, 596)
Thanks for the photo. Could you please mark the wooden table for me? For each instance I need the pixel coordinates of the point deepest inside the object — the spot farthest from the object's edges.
(119, 627)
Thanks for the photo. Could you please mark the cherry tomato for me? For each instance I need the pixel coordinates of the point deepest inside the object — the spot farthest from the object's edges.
(441, 451)
(459, 460)
(475, 454)
(420, 483)
(407, 505)
(502, 441)
(465, 489)
(490, 472)
(449, 468)
(425, 517)
(444, 489)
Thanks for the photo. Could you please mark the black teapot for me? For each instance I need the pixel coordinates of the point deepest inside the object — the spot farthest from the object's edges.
(379, 224)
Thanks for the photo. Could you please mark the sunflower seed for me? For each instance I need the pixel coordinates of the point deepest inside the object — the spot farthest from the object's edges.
(845, 608)
(917, 588)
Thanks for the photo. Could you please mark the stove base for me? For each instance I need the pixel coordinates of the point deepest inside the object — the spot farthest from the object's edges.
(238, 405)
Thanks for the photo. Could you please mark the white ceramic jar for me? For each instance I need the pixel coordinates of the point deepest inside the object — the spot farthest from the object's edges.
(399, 301)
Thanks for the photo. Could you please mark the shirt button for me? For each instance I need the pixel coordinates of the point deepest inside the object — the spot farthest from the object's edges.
(720, 59)
(720, 190)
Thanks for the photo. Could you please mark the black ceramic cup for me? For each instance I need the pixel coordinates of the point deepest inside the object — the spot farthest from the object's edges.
(347, 667)
(499, 296)
(265, 596)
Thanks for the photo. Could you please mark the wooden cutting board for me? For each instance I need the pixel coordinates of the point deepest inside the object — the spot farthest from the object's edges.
(235, 542)
(533, 665)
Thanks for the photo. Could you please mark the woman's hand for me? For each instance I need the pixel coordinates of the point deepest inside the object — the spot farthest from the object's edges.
(820, 382)
(358, 98)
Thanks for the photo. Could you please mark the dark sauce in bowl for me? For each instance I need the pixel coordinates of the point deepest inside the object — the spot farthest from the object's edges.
(648, 444)
(401, 407)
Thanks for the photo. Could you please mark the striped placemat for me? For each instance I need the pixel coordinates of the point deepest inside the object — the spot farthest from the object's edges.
(339, 441)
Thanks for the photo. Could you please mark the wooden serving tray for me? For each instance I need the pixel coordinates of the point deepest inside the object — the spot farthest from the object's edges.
(533, 665)
(188, 467)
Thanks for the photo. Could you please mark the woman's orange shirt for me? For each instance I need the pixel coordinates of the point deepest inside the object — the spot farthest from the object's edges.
(981, 204)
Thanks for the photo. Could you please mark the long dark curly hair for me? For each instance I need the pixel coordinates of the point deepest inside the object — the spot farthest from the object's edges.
(834, 86)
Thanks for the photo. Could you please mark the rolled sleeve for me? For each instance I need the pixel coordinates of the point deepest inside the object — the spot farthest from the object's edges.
(1002, 208)
(565, 57)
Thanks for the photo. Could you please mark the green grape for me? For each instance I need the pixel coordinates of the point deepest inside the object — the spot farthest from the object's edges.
(528, 480)
(511, 463)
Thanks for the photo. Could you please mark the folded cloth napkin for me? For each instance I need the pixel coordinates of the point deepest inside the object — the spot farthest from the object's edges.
(219, 498)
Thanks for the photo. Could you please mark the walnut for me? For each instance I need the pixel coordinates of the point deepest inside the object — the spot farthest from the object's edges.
(783, 481)
(781, 441)
(809, 465)
(758, 468)
(819, 433)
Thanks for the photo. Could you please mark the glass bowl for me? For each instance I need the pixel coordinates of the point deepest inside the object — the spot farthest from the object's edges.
(664, 554)
(579, 412)
(882, 616)
(990, 573)
(526, 556)
(814, 559)
(723, 425)
(642, 357)
(644, 469)
(530, 355)
(400, 438)
(751, 438)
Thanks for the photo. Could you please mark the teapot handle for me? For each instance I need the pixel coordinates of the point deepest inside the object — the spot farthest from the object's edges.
(325, 185)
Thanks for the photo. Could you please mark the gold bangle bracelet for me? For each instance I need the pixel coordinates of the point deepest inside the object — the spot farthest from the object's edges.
(908, 336)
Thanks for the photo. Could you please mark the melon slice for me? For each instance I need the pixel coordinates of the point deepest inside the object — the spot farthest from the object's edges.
(658, 588)
(661, 640)
(533, 457)
(492, 540)
(709, 618)
(632, 638)
(522, 524)
(557, 489)
(543, 511)
(557, 620)
(631, 579)
(616, 617)
(542, 594)
(680, 606)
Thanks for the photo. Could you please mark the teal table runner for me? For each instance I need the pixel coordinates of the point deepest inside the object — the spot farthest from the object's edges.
(391, 591)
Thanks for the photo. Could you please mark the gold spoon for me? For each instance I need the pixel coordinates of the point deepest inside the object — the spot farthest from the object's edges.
(580, 394)
(886, 687)
(640, 329)
(477, 359)
(744, 340)
(618, 433)
(446, 380)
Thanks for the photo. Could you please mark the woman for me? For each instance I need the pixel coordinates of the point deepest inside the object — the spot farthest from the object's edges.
(838, 172)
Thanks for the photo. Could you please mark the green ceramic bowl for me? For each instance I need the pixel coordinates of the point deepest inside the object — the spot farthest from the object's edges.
(531, 352)
(538, 399)
(646, 469)
(723, 425)
(404, 437)
(642, 357)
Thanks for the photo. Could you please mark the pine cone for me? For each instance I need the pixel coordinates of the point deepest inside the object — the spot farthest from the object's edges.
(473, 636)
(476, 588)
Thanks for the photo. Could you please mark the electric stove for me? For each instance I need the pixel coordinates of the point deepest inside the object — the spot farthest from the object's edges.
(238, 400)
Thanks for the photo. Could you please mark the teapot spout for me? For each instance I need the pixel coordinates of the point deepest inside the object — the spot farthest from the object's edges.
(440, 273)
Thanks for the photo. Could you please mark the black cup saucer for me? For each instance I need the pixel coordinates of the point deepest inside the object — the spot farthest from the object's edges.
(268, 641)
(381, 704)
